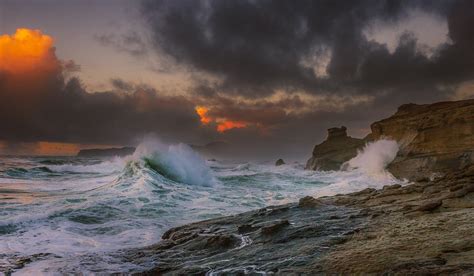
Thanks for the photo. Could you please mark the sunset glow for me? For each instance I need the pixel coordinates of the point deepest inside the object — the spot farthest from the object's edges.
(52, 148)
(26, 50)
(202, 112)
(226, 125)
(223, 124)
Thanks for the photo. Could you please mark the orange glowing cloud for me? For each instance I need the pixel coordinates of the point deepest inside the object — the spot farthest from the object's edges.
(223, 124)
(27, 50)
(226, 125)
(202, 112)
(52, 148)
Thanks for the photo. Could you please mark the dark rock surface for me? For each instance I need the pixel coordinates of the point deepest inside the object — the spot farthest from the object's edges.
(334, 151)
(280, 162)
(282, 239)
(110, 152)
(423, 228)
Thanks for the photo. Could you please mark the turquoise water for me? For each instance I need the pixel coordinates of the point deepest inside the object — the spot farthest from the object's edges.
(71, 207)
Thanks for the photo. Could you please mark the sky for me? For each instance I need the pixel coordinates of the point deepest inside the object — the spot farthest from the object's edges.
(267, 77)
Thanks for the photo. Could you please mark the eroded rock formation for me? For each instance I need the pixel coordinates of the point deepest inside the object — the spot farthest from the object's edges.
(424, 228)
(434, 139)
(334, 151)
(280, 162)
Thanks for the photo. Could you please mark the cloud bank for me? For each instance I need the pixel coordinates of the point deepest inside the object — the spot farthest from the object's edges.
(39, 102)
(266, 74)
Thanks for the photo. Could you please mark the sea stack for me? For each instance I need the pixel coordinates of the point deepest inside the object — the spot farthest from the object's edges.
(279, 162)
(334, 151)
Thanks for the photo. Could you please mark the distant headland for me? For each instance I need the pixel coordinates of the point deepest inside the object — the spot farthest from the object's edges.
(109, 152)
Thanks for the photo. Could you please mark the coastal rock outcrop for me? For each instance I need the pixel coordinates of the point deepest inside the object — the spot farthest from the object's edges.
(434, 139)
(280, 162)
(334, 151)
(427, 225)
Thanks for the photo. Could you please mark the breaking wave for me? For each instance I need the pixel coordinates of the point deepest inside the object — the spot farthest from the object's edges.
(75, 207)
(176, 162)
(374, 157)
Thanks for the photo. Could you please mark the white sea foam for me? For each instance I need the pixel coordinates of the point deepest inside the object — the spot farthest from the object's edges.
(374, 157)
(127, 204)
(115, 164)
(366, 170)
(179, 161)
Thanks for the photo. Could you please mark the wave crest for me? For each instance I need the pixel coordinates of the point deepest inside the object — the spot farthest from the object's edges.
(175, 162)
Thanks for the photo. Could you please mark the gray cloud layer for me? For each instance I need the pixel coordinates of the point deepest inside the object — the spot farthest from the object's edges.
(255, 48)
(56, 110)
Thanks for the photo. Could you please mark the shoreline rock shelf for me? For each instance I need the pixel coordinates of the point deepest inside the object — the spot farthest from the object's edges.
(426, 227)
(422, 228)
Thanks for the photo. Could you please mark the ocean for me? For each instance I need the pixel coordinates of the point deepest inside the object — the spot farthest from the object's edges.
(70, 214)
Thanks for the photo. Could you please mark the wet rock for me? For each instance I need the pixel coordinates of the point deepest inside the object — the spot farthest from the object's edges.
(274, 227)
(246, 228)
(427, 225)
(366, 191)
(391, 187)
(429, 206)
(249, 244)
(279, 162)
(466, 201)
(422, 179)
(309, 202)
(334, 151)
(222, 241)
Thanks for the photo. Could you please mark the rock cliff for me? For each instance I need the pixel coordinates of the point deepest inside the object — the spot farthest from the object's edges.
(434, 138)
(427, 224)
(334, 151)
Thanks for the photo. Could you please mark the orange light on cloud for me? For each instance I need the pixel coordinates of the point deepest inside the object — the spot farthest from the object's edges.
(47, 148)
(226, 125)
(202, 112)
(27, 50)
(223, 124)
(53, 148)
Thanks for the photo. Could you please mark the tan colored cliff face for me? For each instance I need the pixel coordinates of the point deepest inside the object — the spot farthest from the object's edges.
(433, 138)
(334, 151)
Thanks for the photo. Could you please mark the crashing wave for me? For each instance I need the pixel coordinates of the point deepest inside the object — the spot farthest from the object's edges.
(175, 162)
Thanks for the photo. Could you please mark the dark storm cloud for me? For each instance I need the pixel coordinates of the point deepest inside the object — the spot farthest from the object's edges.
(257, 46)
(122, 85)
(48, 108)
(129, 42)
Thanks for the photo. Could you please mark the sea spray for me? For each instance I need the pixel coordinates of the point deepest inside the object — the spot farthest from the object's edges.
(102, 207)
(366, 170)
(176, 162)
(374, 157)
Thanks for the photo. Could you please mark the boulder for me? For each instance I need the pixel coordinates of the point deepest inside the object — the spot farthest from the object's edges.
(279, 162)
(334, 151)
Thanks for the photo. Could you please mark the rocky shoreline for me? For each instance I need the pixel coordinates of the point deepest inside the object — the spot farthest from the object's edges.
(424, 228)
